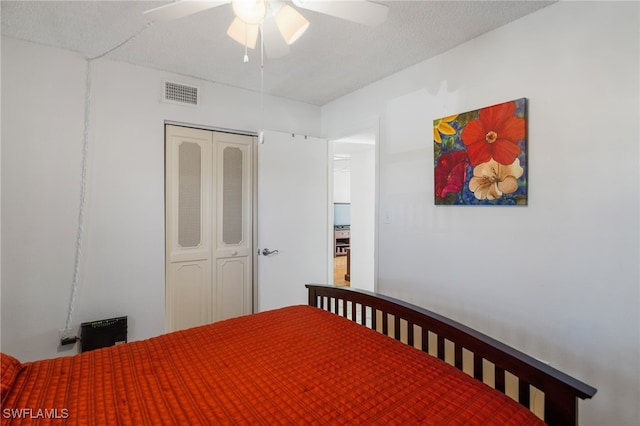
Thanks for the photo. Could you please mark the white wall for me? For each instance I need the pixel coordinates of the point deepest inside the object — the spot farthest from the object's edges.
(0, 187)
(363, 218)
(559, 278)
(42, 110)
(122, 265)
(341, 181)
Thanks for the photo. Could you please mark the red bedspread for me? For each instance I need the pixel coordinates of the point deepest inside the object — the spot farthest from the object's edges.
(297, 365)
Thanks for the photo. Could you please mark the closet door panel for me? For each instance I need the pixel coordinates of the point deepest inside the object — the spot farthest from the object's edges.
(234, 225)
(189, 231)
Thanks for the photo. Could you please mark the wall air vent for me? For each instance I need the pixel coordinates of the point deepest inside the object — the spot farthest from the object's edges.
(181, 93)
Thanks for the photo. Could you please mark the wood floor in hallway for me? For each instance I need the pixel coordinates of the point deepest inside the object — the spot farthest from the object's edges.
(339, 270)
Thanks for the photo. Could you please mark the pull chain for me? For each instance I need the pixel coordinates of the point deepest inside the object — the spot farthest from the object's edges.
(246, 39)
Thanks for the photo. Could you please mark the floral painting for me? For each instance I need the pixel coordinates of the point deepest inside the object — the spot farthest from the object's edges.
(480, 157)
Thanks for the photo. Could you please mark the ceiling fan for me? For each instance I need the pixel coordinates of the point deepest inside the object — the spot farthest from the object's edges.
(280, 23)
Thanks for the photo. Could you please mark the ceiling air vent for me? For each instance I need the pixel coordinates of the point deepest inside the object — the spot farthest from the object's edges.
(181, 93)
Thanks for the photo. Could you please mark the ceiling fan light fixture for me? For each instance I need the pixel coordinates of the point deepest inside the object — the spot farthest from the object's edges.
(250, 12)
(291, 23)
(246, 35)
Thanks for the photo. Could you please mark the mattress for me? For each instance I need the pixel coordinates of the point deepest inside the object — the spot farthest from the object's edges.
(296, 365)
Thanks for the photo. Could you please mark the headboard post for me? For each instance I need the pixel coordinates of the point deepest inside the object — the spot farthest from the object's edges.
(313, 296)
(561, 407)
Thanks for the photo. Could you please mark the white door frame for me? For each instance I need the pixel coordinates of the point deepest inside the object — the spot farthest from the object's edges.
(371, 124)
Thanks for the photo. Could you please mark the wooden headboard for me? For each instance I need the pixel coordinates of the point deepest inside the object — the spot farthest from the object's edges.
(508, 370)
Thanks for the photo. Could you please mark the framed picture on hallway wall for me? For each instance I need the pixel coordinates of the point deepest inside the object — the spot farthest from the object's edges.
(480, 156)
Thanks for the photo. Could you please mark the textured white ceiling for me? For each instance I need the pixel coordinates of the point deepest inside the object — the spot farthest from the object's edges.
(331, 59)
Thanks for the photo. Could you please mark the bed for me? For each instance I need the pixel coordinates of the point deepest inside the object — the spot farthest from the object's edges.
(332, 362)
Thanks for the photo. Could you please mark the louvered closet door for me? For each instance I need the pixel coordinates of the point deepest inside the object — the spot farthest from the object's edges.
(233, 245)
(208, 226)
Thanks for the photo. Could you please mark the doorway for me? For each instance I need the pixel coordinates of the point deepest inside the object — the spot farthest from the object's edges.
(354, 187)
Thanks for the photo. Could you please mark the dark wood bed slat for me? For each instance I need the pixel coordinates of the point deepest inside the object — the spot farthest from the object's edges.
(499, 378)
(524, 393)
(561, 391)
(396, 329)
(425, 340)
(441, 347)
(478, 369)
(458, 357)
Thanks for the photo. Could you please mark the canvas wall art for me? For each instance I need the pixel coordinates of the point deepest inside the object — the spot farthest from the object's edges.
(480, 156)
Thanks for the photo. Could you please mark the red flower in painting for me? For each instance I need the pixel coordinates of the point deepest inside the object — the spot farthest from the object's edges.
(450, 173)
(494, 135)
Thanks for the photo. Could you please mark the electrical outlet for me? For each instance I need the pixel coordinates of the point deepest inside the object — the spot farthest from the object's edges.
(66, 336)
(64, 332)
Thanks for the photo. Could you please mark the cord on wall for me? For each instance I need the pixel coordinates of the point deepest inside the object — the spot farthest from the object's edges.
(83, 190)
(65, 336)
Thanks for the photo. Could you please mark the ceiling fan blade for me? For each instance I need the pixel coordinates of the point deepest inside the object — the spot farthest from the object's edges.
(245, 34)
(182, 8)
(360, 11)
(274, 44)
